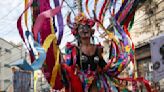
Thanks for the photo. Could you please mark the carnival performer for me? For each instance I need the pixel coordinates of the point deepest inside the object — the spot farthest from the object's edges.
(84, 60)
(83, 68)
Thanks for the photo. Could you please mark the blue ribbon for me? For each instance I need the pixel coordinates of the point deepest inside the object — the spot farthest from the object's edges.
(37, 63)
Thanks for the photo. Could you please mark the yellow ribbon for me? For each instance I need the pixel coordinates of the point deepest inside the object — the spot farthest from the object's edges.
(52, 38)
(95, 4)
(56, 56)
(48, 41)
(127, 48)
(55, 70)
(120, 67)
(26, 13)
(111, 36)
(35, 80)
(122, 1)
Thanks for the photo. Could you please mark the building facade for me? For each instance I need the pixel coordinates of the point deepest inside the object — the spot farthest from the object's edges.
(143, 61)
(8, 53)
(148, 21)
(145, 66)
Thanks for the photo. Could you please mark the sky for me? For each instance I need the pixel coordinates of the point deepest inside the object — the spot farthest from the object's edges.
(9, 13)
(11, 10)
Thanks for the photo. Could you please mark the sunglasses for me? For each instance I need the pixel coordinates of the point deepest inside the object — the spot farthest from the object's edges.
(84, 27)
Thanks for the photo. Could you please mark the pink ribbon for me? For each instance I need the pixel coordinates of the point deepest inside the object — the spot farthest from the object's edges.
(41, 17)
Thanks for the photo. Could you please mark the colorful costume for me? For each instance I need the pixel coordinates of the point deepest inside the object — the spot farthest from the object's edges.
(88, 69)
(81, 72)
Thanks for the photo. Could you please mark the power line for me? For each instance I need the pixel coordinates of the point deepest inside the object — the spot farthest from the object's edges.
(5, 34)
(8, 25)
(7, 31)
(69, 6)
(2, 18)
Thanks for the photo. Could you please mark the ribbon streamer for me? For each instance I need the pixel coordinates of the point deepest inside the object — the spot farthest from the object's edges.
(37, 63)
(42, 17)
(60, 22)
(86, 5)
(19, 26)
(26, 13)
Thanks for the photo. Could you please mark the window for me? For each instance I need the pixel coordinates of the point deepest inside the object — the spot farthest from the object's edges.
(0, 85)
(0, 51)
(7, 81)
(7, 50)
(0, 67)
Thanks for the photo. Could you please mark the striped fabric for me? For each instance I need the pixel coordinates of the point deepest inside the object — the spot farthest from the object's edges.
(21, 81)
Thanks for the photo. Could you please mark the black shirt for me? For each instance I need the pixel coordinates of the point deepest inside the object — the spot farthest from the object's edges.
(93, 61)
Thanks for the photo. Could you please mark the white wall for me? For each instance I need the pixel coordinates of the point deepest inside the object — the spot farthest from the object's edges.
(9, 53)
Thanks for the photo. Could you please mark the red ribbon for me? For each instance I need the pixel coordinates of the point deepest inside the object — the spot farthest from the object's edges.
(41, 17)
(75, 83)
(19, 26)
